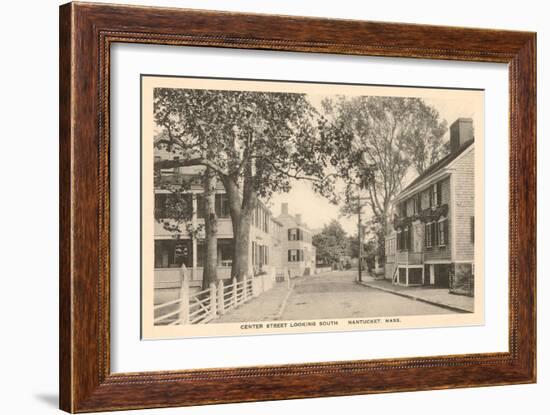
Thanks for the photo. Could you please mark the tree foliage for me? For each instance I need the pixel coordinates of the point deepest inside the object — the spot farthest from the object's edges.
(255, 142)
(331, 243)
(383, 138)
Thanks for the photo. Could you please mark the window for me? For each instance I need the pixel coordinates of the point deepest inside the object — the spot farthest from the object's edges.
(429, 235)
(200, 206)
(292, 255)
(295, 255)
(443, 230)
(398, 239)
(293, 234)
(296, 234)
(435, 194)
(403, 209)
(222, 205)
(254, 253)
(225, 252)
(403, 239)
(170, 253)
(262, 255)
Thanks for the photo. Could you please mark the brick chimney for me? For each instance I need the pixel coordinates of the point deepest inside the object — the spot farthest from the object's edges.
(298, 219)
(284, 208)
(462, 131)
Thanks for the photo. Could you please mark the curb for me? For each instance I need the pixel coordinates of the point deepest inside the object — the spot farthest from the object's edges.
(412, 297)
(283, 304)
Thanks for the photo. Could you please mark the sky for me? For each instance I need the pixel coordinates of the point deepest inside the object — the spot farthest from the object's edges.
(317, 211)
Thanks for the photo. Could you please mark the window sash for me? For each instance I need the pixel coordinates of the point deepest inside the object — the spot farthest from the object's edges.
(442, 232)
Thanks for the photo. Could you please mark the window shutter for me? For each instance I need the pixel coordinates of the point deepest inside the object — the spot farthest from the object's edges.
(288, 231)
(472, 229)
(446, 231)
(438, 193)
(426, 230)
(288, 255)
(433, 233)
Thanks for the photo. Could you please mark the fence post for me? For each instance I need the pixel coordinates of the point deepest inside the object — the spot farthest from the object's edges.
(234, 293)
(252, 288)
(183, 316)
(221, 298)
(213, 300)
(245, 289)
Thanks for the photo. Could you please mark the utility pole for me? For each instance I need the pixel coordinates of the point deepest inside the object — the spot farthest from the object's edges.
(360, 236)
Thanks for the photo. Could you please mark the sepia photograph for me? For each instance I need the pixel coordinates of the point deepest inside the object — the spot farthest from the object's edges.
(292, 207)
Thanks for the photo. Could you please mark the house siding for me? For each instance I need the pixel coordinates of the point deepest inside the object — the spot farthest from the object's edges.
(305, 266)
(451, 264)
(464, 207)
(462, 276)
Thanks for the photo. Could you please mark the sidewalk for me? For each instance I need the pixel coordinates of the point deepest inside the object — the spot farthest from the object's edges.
(267, 306)
(435, 296)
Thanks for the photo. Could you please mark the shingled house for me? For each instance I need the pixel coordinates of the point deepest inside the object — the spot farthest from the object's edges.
(431, 239)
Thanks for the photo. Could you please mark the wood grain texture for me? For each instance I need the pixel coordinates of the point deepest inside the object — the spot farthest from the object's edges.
(86, 33)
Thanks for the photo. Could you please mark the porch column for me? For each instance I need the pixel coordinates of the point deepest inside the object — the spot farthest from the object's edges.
(194, 240)
(194, 269)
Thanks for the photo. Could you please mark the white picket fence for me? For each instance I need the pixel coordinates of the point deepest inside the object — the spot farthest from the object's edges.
(206, 305)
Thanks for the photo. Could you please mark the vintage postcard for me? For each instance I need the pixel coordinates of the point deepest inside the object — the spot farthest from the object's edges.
(293, 207)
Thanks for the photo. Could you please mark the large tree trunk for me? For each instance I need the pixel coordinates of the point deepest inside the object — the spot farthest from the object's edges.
(210, 230)
(240, 209)
(242, 248)
(234, 199)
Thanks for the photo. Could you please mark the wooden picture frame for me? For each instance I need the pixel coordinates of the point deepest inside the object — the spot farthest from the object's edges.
(86, 33)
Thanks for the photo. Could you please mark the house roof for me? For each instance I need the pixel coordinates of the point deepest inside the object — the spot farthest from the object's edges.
(438, 165)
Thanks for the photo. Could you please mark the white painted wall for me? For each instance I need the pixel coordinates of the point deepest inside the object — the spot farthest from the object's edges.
(29, 183)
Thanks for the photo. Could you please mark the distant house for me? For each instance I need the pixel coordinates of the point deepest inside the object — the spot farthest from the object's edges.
(431, 239)
(299, 254)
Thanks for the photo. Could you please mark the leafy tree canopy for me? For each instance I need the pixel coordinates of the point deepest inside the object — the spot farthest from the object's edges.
(331, 243)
